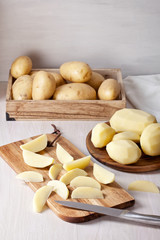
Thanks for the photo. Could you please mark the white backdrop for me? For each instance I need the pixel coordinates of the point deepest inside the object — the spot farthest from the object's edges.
(103, 33)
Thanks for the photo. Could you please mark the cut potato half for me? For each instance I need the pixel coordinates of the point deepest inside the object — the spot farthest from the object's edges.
(60, 188)
(36, 145)
(144, 186)
(54, 171)
(79, 163)
(62, 155)
(83, 181)
(36, 160)
(68, 176)
(30, 176)
(40, 198)
(87, 192)
(103, 175)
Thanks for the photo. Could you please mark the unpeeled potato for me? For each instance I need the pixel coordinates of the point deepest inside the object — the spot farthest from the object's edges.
(22, 88)
(109, 89)
(76, 71)
(21, 66)
(44, 86)
(75, 91)
(58, 78)
(95, 80)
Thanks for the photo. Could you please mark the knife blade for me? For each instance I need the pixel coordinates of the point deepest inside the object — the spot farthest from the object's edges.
(119, 213)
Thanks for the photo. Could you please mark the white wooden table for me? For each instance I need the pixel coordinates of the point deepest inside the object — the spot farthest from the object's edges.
(19, 222)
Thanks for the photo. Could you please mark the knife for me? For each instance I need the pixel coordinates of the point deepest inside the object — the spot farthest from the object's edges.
(123, 214)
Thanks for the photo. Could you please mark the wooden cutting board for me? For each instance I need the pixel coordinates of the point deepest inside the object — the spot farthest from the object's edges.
(114, 195)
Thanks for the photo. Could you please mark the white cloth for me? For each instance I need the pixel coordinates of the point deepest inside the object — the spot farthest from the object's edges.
(143, 92)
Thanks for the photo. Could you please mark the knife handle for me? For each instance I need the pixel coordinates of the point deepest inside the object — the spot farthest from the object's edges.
(143, 218)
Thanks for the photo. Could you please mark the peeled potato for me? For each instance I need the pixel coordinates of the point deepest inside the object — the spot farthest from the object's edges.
(135, 137)
(76, 71)
(124, 151)
(95, 80)
(144, 186)
(102, 134)
(58, 78)
(21, 66)
(109, 89)
(22, 88)
(150, 139)
(44, 86)
(133, 120)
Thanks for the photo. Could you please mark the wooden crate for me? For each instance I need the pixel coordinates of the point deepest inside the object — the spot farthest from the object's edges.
(65, 110)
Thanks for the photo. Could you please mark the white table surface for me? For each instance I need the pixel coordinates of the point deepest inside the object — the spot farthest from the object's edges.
(19, 222)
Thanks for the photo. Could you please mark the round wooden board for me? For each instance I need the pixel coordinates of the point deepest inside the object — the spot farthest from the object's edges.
(144, 164)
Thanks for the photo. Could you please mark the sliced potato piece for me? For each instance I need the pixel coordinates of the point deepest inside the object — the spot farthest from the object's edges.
(54, 171)
(102, 134)
(128, 135)
(144, 186)
(60, 188)
(103, 175)
(30, 176)
(36, 145)
(83, 181)
(36, 160)
(62, 155)
(68, 176)
(124, 151)
(79, 163)
(40, 198)
(87, 192)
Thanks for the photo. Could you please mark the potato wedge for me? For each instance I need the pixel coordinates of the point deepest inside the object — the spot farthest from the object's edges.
(60, 188)
(36, 145)
(83, 181)
(144, 186)
(79, 163)
(40, 198)
(62, 155)
(54, 171)
(68, 176)
(103, 175)
(30, 176)
(36, 160)
(87, 192)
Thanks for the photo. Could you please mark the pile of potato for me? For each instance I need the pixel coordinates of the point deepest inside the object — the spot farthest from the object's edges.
(131, 131)
(76, 81)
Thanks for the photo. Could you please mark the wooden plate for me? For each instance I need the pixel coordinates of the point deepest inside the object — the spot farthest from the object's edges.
(144, 164)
